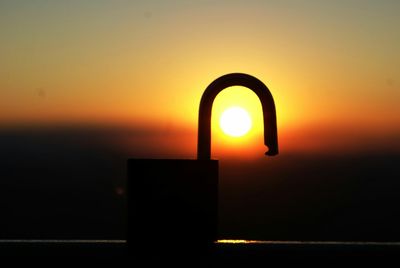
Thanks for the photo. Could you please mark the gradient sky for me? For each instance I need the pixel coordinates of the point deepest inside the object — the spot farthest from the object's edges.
(333, 67)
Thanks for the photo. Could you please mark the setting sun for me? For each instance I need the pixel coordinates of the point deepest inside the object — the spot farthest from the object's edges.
(235, 121)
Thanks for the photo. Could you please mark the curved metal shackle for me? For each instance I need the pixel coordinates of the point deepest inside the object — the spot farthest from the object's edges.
(267, 103)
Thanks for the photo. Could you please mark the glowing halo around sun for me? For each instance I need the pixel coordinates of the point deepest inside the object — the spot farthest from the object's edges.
(235, 121)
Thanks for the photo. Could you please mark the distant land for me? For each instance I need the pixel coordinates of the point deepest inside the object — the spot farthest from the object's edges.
(70, 183)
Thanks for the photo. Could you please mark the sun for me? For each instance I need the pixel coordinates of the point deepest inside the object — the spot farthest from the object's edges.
(235, 121)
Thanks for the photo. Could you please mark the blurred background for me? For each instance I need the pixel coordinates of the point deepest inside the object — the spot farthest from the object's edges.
(86, 85)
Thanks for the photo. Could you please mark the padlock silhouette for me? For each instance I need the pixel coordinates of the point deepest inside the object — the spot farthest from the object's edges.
(173, 203)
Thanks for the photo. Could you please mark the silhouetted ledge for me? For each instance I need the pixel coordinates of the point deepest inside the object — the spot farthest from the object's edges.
(224, 251)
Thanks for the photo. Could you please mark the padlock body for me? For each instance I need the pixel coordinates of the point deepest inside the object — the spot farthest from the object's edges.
(173, 203)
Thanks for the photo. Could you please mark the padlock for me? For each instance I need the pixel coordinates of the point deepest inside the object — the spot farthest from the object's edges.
(173, 203)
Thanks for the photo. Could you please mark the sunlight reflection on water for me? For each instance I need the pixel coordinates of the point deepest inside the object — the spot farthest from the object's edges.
(240, 241)
(367, 243)
(218, 242)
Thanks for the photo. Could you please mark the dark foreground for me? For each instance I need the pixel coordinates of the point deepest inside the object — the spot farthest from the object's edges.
(118, 252)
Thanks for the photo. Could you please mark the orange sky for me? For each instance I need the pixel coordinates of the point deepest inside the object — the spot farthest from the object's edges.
(332, 67)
